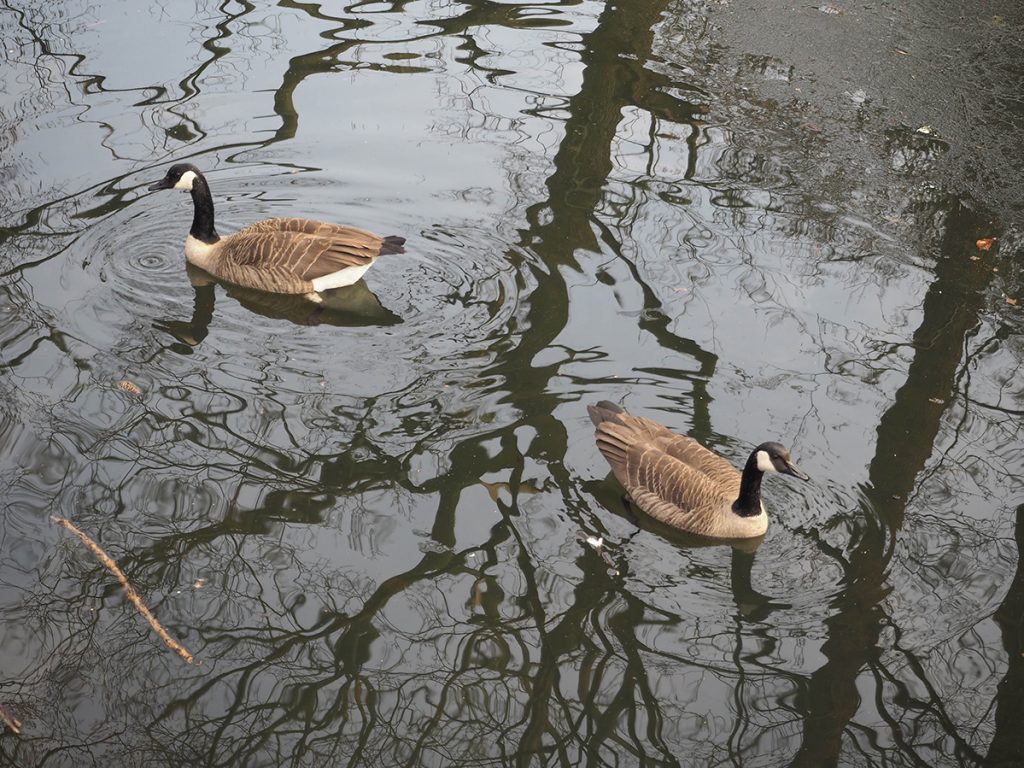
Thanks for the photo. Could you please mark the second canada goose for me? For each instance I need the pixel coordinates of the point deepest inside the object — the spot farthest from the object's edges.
(302, 256)
(678, 481)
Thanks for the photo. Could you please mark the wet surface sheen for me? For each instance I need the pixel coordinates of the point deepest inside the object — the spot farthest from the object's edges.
(369, 521)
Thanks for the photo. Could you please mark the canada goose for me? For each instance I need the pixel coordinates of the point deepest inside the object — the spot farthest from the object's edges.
(680, 482)
(302, 256)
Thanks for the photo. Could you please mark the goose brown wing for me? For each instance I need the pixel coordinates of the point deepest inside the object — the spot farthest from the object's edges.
(641, 463)
(685, 449)
(708, 463)
(343, 236)
(262, 278)
(314, 227)
(672, 491)
(302, 255)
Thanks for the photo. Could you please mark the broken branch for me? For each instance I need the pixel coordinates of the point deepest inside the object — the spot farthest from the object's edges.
(104, 558)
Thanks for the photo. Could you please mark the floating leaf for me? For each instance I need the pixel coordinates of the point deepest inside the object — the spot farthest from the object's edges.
(926, 130)
(128, 386)
(1011, 302)
(13, 723)
(985, 243)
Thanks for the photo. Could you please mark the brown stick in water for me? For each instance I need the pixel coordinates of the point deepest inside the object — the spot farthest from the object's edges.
(104, 558)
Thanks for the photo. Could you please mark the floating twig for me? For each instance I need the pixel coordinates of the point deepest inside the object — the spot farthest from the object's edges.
(104, 558)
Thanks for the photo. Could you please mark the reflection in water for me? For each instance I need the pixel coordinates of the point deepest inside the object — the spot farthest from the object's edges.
(352, 306)
(375, 538)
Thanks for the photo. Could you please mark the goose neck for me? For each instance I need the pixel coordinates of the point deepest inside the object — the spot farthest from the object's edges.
(748, 504)
(202, 220)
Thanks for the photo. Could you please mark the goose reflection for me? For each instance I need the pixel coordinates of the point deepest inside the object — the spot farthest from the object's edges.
(348, 307)
(751, 604)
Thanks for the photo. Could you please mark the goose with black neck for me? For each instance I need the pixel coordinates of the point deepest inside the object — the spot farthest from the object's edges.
(678, 481)
(281, 255)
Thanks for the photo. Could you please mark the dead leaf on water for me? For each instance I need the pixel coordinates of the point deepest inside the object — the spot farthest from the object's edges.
(198, 583)
(13, 723)
(128, 386)
(936, 400)
(1012, 302)
(985, 243)
(926, 130)
(901, 52)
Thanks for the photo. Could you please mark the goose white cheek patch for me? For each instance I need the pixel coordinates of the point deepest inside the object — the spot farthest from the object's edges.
(764, 463)
(185, 182)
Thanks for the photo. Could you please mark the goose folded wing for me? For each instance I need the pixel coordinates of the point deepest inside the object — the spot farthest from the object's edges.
(270, 280)
(690, 452)
(307, 256)
(314, 227)
(670, 490)
(708, 463)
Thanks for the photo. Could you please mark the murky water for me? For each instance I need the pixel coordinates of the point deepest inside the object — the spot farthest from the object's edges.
(369, 523)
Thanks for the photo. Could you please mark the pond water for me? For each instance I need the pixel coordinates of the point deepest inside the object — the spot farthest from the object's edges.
(369, 524)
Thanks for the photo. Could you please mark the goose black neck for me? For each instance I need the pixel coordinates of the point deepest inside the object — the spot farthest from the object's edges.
(749, 502)
(202, 220)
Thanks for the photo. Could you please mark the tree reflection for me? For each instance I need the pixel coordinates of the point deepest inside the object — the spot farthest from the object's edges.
(1007, 744)
(950, 312)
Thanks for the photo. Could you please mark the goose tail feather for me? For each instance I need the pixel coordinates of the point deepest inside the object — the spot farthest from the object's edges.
(616, 433)
(392, 244)
(605, 411)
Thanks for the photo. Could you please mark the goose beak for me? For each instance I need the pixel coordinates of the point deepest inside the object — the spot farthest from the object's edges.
(162, 184)
(791, 469)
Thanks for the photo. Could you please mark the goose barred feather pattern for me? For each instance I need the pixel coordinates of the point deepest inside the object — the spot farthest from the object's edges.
(678, 481)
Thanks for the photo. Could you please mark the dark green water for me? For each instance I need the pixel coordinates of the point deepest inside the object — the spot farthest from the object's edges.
(370, 525)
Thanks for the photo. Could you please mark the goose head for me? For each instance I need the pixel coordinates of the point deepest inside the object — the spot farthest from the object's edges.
(180, 176)
(773, 457)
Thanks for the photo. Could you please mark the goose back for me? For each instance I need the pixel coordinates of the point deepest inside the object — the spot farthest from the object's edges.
(688, 451)
(340, 232)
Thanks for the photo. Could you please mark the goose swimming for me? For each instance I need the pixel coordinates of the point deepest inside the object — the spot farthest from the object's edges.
(678, 481)
(288, 255)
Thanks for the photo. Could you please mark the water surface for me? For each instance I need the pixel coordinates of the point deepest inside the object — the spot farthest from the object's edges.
(369, 523)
